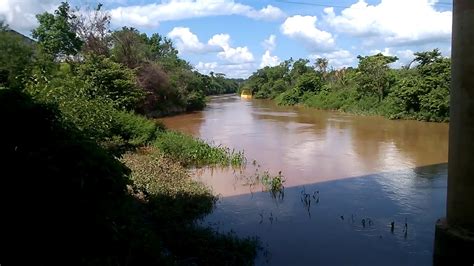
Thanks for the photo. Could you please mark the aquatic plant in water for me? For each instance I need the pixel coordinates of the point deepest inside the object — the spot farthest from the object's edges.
(274, 184)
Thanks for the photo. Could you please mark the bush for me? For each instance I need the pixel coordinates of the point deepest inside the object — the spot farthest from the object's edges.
(93, 117)
(435, 105)
(109, 80)
(16, 55)
(195, 100)
(289, 97)
(135, 129)
(309, 82)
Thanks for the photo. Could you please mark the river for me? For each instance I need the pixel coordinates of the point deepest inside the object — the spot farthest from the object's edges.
(347, 178)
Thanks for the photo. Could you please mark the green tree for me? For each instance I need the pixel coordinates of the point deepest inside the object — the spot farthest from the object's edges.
(374, 74)
(299, 67)
(129, 47)
(55, 32)
(109, 80)
(309, 82)
(16, 55)
(321, 65)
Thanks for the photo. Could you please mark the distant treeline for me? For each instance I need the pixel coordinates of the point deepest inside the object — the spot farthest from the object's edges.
(83, 52)
(419, 90)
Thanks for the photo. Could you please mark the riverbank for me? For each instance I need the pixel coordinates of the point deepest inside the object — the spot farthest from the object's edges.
(348, 101)
(420, 92)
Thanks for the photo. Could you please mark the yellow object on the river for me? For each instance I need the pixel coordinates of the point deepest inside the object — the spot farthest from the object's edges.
(246, 94)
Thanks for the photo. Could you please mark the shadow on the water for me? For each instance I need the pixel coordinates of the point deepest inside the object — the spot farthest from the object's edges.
(385, 218)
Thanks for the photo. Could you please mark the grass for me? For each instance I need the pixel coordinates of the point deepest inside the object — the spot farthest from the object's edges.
(174, 201)
(191, 152)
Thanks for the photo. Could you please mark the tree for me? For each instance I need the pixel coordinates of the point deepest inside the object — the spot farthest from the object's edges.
(156, 86)
(16, 55)
(160, 47)
(427, 57)
(299, 67)
(128, 47)
(110, 80)
(56, 34)
(373, 74)
(309, 82)
(92, 27)
(321, 66)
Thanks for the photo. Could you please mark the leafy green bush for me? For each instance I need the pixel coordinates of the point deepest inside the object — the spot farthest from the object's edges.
(16, 55)
(109, 80)
(195, 100)
(93, 117)
(309, 82)
(195, 152)
(435, 105)
(289, 97)
(135, 129)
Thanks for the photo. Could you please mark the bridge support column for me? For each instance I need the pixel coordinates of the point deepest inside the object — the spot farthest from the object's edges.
(454, 237)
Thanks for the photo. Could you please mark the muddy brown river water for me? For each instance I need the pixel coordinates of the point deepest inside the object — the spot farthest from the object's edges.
(362, 173)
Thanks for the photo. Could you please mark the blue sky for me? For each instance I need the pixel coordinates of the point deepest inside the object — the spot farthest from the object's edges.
(237, 37)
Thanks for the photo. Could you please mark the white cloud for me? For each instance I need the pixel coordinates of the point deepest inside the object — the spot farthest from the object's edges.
(231, 71)
(236, 55)
(338, 59)
(396, 22)
(267, 13)
(232, 55)
(21, 15)
(151, 14)
(270, 43)
(221, 40)
(305, 29)
(188, 42)
(185, 40)
(269, 60)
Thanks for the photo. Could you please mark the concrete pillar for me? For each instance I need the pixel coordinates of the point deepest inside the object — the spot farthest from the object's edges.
(454, 238)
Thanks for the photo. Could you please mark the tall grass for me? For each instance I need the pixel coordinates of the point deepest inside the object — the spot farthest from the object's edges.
(190, 151)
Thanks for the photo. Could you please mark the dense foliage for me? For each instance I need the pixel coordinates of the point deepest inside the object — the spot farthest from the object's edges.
(89, 178)
(417, 91)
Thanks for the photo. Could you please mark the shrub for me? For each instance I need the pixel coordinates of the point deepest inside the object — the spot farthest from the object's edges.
(109, 80)
(135, 129)
(93, 117)
(289, 97)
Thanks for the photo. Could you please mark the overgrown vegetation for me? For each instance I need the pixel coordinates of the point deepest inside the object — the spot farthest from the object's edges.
(89, 179)
(196, 152)
(417, 91)
(175, 202)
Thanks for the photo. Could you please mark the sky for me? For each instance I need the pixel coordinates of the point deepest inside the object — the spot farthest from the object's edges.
(237, 37)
